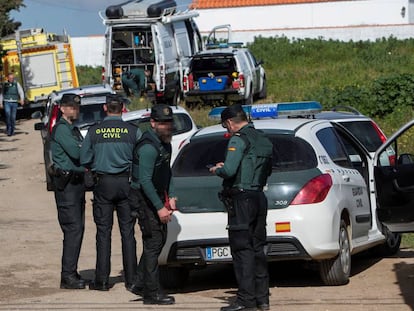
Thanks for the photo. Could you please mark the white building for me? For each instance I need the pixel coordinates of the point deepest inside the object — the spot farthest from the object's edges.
(336, 19)
(328, 19)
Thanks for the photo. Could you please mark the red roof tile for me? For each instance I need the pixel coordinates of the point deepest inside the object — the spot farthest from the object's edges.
(210, 4)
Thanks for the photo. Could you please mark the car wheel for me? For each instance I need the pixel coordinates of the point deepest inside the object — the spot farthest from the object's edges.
(336, 271)
(249, 99)
(391, 246)
(173, 277)
(263, 92)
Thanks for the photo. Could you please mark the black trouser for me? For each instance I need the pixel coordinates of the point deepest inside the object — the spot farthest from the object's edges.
(111, 193)
(70, 204)
(247, 237)
(148, 272)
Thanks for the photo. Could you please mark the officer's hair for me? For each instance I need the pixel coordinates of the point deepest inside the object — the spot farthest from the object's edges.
(114, 104)
(239, 117)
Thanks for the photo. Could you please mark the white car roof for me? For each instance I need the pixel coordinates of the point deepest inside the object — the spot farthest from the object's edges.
(276, 124)
(146, 112)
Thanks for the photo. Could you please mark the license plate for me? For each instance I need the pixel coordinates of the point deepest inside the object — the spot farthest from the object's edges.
(217, 253)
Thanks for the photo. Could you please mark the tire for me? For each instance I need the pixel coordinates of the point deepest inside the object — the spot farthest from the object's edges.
(249, 99)
(390, 247)
(336, 271)
(173, 277)
(263, 92)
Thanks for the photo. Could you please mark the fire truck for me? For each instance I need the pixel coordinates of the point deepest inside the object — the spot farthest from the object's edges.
(41, 62)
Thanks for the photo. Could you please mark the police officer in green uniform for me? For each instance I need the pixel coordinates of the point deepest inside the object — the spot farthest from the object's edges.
(152, 199)
(12, 96)
(247, 165)
(107, 151)
(69, 189)
(134, 80)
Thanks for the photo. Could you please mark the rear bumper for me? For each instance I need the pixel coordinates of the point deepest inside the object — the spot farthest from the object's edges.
(193, 252)
(228, 94)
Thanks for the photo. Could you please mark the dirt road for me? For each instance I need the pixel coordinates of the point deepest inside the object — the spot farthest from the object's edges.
(30, 250)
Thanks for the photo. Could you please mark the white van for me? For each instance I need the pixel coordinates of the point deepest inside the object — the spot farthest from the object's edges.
(153, 35)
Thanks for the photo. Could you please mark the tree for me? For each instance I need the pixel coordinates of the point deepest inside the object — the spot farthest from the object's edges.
(7, 25)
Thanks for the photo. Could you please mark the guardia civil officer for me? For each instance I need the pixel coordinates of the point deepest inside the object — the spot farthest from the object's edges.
(107, 151)
(152, 198)
(245, 170)
(12, 96)
(69, 189)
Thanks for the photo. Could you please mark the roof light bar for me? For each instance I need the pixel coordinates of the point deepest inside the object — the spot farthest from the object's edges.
(274, 110)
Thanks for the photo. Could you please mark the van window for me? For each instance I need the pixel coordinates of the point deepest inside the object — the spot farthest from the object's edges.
(182, 39)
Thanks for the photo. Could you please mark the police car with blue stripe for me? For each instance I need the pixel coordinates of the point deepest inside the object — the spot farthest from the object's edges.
(328, 196)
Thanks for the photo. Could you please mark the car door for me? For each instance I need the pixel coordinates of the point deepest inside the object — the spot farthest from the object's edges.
(394, 182)
(349, 172)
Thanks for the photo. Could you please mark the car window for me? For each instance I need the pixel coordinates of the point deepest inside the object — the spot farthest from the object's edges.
(182, 123)
(365, 132)
(213, 64)
(90, 115)
(290, 153)
(333, 146)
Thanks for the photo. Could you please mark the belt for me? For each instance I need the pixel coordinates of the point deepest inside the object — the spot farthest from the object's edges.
(124, 173)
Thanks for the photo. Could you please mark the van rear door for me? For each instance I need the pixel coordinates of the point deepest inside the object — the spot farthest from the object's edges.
(167, 62)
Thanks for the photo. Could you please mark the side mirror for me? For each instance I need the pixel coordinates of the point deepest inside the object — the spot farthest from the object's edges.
(39, 126)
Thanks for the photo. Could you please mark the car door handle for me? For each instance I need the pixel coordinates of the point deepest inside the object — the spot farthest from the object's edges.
(402, 189)
(346, 178)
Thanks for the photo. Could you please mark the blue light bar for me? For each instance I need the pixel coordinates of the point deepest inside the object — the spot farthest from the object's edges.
(274, 110)
(215, 113)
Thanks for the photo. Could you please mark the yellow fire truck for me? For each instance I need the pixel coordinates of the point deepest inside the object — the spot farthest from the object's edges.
(42, 63)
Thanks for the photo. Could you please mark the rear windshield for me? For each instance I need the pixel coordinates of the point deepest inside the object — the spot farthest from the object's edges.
(213, 64)
(290, 153)
(365, 132)
(182, 123)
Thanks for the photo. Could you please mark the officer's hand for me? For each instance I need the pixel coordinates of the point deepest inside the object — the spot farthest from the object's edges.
(165, 215)
(218, 165)
(173, 204)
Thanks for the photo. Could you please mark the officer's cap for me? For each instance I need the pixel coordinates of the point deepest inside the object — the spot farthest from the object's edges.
(70, 99)
(232, 111)
(161, 112)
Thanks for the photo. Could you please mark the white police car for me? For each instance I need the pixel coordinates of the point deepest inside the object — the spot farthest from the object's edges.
(328, 198)
(184, 125)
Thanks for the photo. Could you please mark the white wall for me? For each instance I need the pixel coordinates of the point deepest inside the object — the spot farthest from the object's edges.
(340, 20)
(88, 51)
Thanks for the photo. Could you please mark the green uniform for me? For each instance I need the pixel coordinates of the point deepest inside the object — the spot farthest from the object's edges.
(246, 157)
(70, 198)
(134, 80)
(108, 146)
(66, 145)
(245, 171)
(151, 167)
(107, 150)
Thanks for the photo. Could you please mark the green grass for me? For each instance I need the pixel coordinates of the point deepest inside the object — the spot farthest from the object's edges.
(407, 240)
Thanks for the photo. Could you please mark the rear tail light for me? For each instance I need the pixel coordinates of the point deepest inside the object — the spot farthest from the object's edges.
(53, 117)
(379, 132)
(103, 74)
(241, 80)
(383, 138)
(188, 82)
(314, 191)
